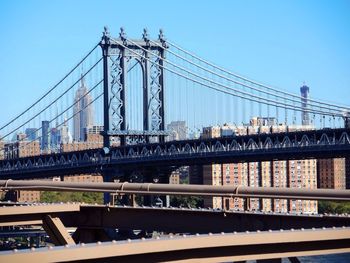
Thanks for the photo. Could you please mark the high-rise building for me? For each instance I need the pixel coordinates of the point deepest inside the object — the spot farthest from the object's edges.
(22, 147)
(263, 121)
(22, 196)
(45, 126)
(266, 177)
(93, 133)
(93, 139)
(254, 181)
(212, 174)
(55, 139)
(66, 136)
(302, 174)
(331, 173)
(347, 159)
(235, 174)
(304, 92)
(347, 173)
(211, 132)
(83, 111)
(221, 174)
(178, 131)
(279, 180)
(296, 173)
(2, 149)
(31, 134)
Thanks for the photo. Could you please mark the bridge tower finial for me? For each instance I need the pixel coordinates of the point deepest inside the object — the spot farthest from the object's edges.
(162, 38)
(145, 36)
(105, 36)
(105, 31)
(122, 35)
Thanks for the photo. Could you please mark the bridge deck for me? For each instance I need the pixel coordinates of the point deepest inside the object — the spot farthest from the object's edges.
(325, 143)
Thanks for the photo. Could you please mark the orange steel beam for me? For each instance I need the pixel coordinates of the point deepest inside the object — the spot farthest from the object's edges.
(200, 248)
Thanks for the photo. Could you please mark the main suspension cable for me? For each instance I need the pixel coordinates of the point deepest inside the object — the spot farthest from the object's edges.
(251, 81)
(54, 101)
(49, 91)
(249, 95)
(318, 104)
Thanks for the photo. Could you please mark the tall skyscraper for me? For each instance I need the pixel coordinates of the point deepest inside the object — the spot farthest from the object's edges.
(31, 134)
(83, 111)
(45, 126)
(55, 138)
(304, 92)
(66, 136)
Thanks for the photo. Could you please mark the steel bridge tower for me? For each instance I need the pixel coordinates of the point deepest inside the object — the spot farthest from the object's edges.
(117, 53)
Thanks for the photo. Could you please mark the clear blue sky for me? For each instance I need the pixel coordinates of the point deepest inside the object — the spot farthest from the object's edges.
(280, 43)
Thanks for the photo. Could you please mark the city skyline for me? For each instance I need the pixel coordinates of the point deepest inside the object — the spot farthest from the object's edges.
(224, 125)
(82, 120)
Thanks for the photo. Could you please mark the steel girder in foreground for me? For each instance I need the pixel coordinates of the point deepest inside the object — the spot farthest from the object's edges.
(326, 143)
(200, 248)
(27, 214)
(173, 220)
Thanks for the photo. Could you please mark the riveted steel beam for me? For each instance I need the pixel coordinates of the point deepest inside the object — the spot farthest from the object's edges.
(56, 231)
(221, 247)
(32, 214)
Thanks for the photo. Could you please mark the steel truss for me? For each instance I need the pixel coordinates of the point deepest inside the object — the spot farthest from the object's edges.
(325, 143)
(117, 54)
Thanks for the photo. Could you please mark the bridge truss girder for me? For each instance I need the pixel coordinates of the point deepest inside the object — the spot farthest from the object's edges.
(260, 147)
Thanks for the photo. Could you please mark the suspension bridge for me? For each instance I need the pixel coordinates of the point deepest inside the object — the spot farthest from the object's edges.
(129, 90)
(114, 114)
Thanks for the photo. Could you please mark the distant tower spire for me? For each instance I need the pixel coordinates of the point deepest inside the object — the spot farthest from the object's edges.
(82, 81)
(304, 93)
(56, 116)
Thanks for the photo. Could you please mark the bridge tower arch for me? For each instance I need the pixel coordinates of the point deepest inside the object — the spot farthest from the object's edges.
(117, 55)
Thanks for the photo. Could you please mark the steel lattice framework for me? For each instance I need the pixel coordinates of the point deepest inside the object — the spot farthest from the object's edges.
(327, 143)
(117, 54)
